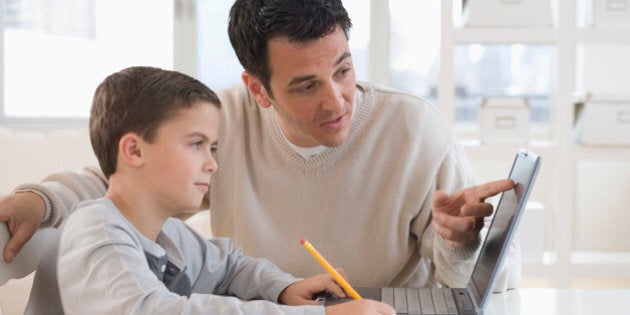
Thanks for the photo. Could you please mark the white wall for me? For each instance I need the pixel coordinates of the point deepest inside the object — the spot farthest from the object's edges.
(29, 155)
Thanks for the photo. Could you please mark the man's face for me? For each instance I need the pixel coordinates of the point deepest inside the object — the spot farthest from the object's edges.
(313, 86)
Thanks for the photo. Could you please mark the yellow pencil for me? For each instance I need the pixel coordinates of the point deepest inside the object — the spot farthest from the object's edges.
(340, 280)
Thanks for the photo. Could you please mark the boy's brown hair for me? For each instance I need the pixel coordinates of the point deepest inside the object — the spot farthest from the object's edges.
(139, 100)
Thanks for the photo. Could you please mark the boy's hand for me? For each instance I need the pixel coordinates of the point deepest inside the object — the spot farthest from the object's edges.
(302, 292)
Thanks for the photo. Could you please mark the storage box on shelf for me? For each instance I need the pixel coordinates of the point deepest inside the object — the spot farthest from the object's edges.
(570, 31)
(508, 13)
(504, 120)
(611, 13)
(602, 120)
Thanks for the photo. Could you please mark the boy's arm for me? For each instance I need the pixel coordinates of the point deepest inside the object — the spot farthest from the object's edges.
(114, 277)
(243, 276)
(47, 203)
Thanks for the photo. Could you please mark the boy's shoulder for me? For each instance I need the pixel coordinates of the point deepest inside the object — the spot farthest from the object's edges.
(101, 207)
(96, 217)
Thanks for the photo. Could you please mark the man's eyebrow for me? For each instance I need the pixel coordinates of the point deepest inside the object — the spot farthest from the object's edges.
(303, 78)
(342, 58)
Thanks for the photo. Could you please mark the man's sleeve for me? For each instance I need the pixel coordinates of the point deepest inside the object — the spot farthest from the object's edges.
(61, 191)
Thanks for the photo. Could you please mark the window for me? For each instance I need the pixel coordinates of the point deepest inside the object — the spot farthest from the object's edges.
(55, 53)
(217, 64)
(414, 54)
(415, 46)
(502, 71)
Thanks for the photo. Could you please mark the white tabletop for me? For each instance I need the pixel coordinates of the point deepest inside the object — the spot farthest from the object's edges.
(560, 302)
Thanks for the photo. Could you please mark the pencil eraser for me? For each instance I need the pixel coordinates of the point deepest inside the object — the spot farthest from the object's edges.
(302, 240)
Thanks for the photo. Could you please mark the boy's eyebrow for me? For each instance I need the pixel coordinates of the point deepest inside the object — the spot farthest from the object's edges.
(297, 80)
(203, 137)
(197, 134)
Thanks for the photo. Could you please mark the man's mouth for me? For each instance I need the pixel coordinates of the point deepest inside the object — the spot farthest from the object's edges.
(335, 123)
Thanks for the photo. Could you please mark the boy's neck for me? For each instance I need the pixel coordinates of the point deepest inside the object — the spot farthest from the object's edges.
(137, 207)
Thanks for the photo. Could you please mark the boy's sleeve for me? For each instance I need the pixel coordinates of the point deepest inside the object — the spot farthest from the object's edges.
(242, 276)
(61, 191)
(102, 269)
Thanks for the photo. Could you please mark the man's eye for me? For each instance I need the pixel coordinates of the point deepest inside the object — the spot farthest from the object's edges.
(214, 149)
(345, 71)
(197, 145)
(307, 87)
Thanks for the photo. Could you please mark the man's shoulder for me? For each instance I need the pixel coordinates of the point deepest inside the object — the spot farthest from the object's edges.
(388, 96)
(399, 103)
(237, 104)
(235, 96)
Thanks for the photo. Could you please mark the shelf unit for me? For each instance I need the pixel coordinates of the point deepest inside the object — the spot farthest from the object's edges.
(561, 264)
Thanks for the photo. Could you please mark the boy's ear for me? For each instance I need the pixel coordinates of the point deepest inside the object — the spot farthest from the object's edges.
(257, 89)
(130, 149)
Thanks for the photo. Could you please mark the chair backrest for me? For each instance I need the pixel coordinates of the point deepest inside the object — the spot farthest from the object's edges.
(25, 262)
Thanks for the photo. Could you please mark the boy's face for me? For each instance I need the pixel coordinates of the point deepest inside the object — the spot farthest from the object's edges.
(313, 87)
(179, 162)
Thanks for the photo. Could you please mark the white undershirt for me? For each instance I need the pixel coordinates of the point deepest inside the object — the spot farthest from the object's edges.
(309, 152)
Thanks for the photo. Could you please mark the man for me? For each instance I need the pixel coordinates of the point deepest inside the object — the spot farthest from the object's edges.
(373, 177)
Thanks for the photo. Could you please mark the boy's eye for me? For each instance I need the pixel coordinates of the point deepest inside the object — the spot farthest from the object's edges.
(197, 145)
(214, 149)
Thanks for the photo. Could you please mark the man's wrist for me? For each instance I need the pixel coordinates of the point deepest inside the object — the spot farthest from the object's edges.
(46, 202)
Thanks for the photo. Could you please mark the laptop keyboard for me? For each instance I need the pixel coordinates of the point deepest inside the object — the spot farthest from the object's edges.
(420, 301)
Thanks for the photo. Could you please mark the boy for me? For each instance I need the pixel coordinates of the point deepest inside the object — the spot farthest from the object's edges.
(154, 133)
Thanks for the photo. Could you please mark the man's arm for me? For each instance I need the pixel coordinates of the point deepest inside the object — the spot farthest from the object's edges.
(47, 203)
(458, 220)
(458, 207)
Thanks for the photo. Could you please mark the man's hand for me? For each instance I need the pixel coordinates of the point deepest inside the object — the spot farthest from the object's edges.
(22, 212)
(458, 218)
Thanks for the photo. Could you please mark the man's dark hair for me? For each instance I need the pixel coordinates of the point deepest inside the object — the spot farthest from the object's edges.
(139, 100)
(254, 22)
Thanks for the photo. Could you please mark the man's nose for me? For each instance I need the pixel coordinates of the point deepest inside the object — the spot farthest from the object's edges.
(333, 99)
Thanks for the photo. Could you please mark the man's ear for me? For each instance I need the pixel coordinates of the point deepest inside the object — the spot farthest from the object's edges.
(130, 150)
(257, 89)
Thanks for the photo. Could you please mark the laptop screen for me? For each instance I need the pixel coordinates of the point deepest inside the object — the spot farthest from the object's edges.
(523, 173)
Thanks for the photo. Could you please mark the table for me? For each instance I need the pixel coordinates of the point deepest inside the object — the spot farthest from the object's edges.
(536, 301)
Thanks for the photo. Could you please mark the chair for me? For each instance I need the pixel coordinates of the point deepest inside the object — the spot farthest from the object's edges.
(24, 263)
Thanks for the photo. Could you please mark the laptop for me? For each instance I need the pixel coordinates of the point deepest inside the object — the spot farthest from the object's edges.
(473, 298)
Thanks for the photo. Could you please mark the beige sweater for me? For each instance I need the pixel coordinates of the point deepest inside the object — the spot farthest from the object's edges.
(365, 205)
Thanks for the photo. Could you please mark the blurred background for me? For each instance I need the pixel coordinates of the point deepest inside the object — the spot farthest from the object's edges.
(550, 76)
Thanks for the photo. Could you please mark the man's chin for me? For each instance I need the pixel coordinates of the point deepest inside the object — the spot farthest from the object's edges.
(336, 141)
